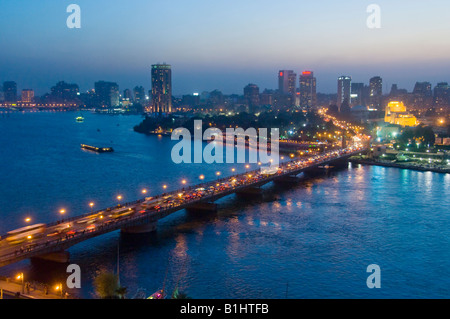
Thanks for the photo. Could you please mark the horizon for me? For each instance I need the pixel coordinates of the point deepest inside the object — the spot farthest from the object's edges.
(223, 45)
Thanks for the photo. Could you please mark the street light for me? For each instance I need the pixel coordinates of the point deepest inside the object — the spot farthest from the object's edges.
(144, 191)
(20, 276)
(92, 206)
(201, 177)
(62, 212)
(119, 198)
(59, 288)
(27, 220)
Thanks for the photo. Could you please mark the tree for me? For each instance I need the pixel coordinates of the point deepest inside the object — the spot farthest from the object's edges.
(121, 292)
(106, 285)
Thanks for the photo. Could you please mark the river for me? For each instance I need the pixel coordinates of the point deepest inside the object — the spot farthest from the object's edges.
(310, 240)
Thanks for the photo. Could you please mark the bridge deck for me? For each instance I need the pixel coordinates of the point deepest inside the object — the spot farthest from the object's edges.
(140, 214)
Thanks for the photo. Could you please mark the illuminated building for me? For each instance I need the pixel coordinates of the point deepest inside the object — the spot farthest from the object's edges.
(442, 94)
(139, 94)
(422, 94)
(10, 91)
(344, 91)
(162, 88)
(107, 93)
(396, 114)
(251, 96)
(376, 92)
(307, 89)
(27, 95)
(286, 82)
(127, 96)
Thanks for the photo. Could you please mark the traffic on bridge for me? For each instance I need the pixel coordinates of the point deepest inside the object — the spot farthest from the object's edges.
(40, 239)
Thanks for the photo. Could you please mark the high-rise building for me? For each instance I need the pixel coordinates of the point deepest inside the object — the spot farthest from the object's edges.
(64, 92)
(375, 92)
(127, 95)
(139, 94)
(107, 93)
(307, 89)
(286, 82)
(162, 88)
(422, 94)
(357, 94)
(344, 91)
(441, 94)
(10, 91)
(266, 97)
(251, 96)
(27, 95)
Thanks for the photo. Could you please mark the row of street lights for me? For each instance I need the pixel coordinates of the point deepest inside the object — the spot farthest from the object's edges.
(144, 191)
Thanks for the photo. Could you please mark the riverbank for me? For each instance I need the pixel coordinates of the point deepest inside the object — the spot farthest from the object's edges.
(11, 289)
(411, 166)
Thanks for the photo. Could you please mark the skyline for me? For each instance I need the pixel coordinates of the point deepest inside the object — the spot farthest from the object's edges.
(223, 46)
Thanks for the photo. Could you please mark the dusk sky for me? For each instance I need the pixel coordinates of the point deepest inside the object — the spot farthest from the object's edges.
(216, 44)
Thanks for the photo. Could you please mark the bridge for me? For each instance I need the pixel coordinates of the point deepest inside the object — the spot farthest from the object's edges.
(51, 241)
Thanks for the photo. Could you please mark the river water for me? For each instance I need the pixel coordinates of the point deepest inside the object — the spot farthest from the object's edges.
(310, 240)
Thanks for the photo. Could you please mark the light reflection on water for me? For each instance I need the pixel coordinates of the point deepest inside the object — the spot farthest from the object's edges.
(316, 238)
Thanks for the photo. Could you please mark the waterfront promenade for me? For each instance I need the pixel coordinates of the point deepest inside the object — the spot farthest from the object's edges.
(411, 166)
(14, 289)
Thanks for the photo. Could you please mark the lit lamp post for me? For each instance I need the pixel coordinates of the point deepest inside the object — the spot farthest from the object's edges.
(91, 204)
(119, 198)
(59, 289)
(144, 191)
(27, 220)
(62, 212)
(20, 276)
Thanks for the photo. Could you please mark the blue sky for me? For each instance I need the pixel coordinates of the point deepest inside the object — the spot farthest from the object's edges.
(216, 44)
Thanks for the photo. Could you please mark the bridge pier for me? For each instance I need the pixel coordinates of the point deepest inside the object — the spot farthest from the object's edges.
(58, 257)
(288, 179)
(250, 192)
(203, 207)
(141, 229)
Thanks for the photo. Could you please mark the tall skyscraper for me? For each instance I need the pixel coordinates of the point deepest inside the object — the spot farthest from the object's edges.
(441, 94)
(357, 94)
(307, 89)
(344, 91)
(10, 91)
(64, 92)
(139, 94)
(251, 96)
(27, 95)
(127, 95)
(107, 93)
(423, 95)
(162, 88)
(376, 92)
(286, 82)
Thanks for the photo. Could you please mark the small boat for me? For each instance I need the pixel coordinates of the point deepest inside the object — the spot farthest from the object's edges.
(160, 294)
(97, 149)
(80, 119)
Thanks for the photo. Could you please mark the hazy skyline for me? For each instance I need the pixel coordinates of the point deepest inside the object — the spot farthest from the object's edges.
(223, 44)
